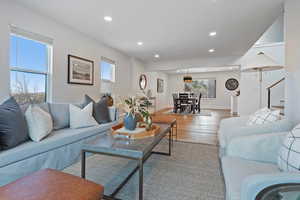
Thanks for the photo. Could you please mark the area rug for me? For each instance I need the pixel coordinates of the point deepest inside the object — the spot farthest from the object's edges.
(191, 173)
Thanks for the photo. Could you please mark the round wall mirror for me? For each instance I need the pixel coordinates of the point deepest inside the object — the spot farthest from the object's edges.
(143, 82)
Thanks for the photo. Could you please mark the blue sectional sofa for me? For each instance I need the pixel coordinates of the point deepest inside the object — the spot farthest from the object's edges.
(59, 150)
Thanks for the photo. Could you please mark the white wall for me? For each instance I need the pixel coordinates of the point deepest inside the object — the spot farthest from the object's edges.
(249, 98)
(222, 101)
(275, 33)
(138, 69)
(66, 41)
(292, 38)
(161, 98)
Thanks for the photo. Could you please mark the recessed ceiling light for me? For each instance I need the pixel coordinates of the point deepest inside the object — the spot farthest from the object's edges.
(140, 43)
(156, 55)
(212, 33)
(108, 18)
(211, 50)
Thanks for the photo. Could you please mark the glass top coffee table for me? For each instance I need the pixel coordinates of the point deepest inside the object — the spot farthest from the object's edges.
(288, 191)
(139, 150)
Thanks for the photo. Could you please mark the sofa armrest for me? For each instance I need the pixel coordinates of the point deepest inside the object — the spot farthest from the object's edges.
(236, 121)
(274, 127)
(228, 124)
(263, 147)
(113, 113)
(254, 184)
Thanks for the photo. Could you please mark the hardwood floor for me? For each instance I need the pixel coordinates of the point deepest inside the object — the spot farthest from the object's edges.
(195, 128)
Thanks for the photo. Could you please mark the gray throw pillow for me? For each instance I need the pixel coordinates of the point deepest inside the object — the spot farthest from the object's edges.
(13, 125)
(100, 109)
(60, 115)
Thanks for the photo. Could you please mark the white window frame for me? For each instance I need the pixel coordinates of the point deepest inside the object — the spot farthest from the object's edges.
(18, 32)
(113, 70)
(215, 79)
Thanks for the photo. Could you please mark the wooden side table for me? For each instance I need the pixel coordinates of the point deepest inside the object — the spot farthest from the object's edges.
(50, 184)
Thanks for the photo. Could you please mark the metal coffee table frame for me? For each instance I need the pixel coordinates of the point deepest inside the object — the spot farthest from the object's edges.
(139, 167)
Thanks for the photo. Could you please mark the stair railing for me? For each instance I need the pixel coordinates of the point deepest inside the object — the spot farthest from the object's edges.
(269, 90)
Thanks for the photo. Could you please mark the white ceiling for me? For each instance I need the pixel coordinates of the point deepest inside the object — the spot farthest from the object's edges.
(175, 29)
(203, 70)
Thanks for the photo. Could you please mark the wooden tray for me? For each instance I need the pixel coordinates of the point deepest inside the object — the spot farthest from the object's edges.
(145, 134)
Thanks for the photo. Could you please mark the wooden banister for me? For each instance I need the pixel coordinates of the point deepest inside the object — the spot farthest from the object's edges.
(269, 90)
(274, 84)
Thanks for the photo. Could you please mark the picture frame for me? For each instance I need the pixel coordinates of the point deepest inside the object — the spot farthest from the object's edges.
(160, 85)
(80, 70)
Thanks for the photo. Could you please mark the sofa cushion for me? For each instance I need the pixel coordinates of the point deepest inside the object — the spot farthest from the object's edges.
(100, 109)
(235, 170)
(13, 126)
(289, 153)
(226, 133)
(43, 106)
(55, 140)
(228, 124)
(39, 123)
(60, 115)
(81, 118)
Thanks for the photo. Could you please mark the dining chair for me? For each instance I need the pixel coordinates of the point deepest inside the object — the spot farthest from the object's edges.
(183, 95)
(198, 103)
(184, 101)
(176, 102)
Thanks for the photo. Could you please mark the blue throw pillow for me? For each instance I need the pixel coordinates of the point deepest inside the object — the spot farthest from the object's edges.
(13, 125)
(100, 109)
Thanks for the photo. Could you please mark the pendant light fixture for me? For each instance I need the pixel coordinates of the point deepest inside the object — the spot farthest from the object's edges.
(187, 78)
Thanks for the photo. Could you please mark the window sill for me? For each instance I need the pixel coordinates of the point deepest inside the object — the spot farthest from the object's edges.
(107, 81)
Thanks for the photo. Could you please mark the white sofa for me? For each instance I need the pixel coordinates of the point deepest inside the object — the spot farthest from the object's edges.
(237, 126)
(249, 155)
(251, 166)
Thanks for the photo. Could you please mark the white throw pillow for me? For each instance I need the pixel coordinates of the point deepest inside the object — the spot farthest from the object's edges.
(289, 153)
(253, 117)
(264, 116)
(39, 123)
(80, 118)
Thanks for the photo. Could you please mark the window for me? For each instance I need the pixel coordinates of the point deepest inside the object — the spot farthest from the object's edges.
(207, 87)
(29, 66)
(107, 68)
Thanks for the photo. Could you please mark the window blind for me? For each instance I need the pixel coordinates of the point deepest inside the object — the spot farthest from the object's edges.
(30, 35)
(108, 60)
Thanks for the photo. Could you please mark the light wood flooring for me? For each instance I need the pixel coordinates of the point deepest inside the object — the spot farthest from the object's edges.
(198, 129)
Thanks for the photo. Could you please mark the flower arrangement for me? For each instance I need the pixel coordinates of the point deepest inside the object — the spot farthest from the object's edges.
(132, 106)
(136, 110)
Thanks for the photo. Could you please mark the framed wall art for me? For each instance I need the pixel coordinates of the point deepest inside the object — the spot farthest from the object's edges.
(80, 70)
(160, 85)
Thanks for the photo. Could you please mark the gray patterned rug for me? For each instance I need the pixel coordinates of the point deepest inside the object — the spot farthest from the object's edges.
(191, 173)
